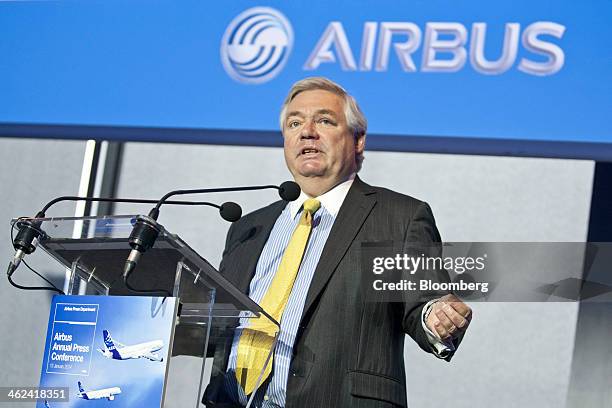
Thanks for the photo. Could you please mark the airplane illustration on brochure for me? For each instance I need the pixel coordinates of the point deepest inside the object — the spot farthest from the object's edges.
(117, 351)
(108, 393)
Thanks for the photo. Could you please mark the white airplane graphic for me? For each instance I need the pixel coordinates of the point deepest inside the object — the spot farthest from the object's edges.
(108, 393)
(117, 351)
(47, 404)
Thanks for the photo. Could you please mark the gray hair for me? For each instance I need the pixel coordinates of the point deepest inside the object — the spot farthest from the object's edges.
(355, 118)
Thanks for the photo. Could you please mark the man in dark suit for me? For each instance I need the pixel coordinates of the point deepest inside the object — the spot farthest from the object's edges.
(335, 348)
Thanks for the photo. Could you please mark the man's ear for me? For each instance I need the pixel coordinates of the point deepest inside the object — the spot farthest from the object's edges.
(360, 144)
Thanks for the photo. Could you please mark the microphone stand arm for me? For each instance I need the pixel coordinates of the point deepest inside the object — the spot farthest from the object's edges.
(154, 213)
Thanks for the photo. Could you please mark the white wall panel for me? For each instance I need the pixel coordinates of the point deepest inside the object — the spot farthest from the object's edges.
(33, 172)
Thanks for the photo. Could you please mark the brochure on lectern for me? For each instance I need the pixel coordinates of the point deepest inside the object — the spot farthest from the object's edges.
(108, 351)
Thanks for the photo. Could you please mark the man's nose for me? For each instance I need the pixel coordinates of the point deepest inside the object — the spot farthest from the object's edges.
(309, 130)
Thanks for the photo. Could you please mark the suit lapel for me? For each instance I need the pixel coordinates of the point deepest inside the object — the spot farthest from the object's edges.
(251, 242)
(354, 211)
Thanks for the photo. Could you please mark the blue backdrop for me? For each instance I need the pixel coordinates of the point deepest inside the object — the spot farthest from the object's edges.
(127, 65)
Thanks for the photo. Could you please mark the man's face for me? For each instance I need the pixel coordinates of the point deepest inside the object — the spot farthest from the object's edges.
(317, 140)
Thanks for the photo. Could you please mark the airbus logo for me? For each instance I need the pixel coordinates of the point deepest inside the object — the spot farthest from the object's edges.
(441, 41)
(256, 45)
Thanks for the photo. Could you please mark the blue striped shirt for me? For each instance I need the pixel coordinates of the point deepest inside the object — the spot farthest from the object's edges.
(267, 266)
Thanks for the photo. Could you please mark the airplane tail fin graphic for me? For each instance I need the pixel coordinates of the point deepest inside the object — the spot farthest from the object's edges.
(110, 344)
(80, 386)
(108, 340)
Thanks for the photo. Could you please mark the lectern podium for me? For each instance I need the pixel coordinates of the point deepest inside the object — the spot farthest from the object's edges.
(211, 312)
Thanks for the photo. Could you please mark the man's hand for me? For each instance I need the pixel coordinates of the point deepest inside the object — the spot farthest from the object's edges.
(449, 318)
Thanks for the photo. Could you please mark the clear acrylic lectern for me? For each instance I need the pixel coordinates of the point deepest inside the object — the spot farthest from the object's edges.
(211, 314)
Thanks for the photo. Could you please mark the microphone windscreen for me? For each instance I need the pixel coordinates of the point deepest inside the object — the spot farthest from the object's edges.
(289, 191)
(230, 211)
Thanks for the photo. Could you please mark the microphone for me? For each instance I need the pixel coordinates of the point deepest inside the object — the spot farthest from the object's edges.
(143, 237)
(146, 230)
(230, 211)
(29, 228)
(25, 242)
(289, 191)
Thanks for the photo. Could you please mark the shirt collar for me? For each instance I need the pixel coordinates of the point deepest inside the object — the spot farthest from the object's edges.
(331, 200)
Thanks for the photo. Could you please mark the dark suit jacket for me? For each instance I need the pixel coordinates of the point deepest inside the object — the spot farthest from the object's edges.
(348, 352)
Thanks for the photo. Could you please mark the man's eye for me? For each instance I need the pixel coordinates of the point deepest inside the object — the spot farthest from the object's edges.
(326, 121)
(294, 124)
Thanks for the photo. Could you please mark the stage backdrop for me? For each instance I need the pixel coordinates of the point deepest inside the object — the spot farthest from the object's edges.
(525, 77)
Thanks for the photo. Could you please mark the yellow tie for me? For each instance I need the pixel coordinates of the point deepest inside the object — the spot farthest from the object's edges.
(257, 339)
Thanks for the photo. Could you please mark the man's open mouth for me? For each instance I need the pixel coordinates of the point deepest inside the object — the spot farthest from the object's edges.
(309, 150)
